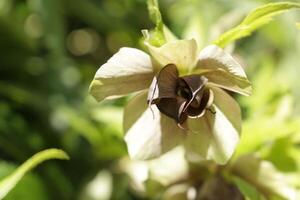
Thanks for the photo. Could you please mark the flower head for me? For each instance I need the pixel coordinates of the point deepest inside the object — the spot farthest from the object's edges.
(181, 99)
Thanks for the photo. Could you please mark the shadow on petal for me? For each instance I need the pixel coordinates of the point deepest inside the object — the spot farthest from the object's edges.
(212, 137)
(228, 106)
(148, 133)
(198, 139)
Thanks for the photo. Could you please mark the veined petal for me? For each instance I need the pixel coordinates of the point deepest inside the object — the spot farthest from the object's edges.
(197, 142)
(215, 135)
(164, 84)
(148, 132)
(127, 71)
(214, 57)
(229, 107)
(229, 82)
(221, 68)
(182, 53)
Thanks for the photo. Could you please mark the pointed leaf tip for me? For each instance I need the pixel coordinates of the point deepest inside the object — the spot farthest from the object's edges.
(254, 20)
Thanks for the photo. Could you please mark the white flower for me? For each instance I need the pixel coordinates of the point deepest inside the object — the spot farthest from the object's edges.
(209, 119)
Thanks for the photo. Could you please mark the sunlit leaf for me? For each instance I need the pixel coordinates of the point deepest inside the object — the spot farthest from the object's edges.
(261, 131)
(283, 154)
(256, 18)
(8, 183)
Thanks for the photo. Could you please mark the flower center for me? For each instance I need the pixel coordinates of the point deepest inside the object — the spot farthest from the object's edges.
(184, 92)
(179, 97)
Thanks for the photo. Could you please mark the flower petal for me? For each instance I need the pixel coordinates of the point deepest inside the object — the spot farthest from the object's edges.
(163, 169)
(194, 82)
(127, 71)
(221, 69)
(205, 101)
(177, 192)
(229, 107)
(164, 85)
(173, 107)
(148, 133)
(182, 53)
(215, 135)
(227, 81)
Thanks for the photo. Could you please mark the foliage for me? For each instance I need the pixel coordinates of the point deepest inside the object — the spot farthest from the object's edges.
(10, 182)
(258, 17)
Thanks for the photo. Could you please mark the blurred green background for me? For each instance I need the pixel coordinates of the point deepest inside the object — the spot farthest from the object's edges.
(50, 51)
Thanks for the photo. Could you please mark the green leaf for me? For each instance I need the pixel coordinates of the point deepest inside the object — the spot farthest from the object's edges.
(161, 33)
(298, 25)
(255, 19)
(247, 190)
(155, 14)
(25, 187)
(283, 154)
(156, 36)
(8, 183)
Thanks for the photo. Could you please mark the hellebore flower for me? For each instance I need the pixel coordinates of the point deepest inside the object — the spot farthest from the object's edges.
(181, 99)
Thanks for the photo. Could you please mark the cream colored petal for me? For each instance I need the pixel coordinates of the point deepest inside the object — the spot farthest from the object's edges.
(148, 132)
(197, 142)
(182, 53)
(178, 192)
(264, 176)
(215, 135)
(223, 70)
(229, 106)
(127, 71)
(163, 169)
(229, 82)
